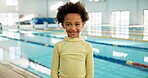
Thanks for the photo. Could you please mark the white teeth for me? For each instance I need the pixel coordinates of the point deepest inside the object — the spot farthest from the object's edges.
(73, 32)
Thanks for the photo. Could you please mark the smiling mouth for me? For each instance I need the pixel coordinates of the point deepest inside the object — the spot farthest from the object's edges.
(73, 32)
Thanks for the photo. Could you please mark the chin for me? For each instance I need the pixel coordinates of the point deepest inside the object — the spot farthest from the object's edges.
(73, 36)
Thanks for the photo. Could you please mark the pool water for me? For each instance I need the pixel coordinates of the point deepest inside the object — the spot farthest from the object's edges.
(37, 56)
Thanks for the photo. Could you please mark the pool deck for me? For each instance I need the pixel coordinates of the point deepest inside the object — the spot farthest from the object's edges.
(8, 70)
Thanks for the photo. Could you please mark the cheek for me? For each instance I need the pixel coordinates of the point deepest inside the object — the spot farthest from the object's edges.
(67, 29)
(80, 28)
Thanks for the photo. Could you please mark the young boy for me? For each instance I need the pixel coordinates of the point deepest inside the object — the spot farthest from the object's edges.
(72, 57)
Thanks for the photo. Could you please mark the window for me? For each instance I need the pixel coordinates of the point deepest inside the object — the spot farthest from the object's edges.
(55, 6)
(9, 18)
(145, 17)
(120, 18)
(12, 2)
(145, 37)
(120, 23)
(95, 19)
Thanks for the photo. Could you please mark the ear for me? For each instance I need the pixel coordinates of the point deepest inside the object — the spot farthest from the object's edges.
(83, 24)
(63, 26)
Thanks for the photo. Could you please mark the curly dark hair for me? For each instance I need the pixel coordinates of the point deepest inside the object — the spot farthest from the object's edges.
(70, 7)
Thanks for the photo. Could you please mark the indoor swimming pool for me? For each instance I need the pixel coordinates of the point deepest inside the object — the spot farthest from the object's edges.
(113, 58)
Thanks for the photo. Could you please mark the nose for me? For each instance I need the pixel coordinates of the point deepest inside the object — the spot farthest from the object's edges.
(73, 27)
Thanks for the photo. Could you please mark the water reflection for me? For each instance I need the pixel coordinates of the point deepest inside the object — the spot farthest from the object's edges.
(119, 54)
(124, 31)
(146, 59)
(11, 34)
(1, 54)
(14, 55)
(145, 37)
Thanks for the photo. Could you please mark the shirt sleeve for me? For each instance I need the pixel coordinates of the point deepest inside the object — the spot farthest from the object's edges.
(55, 63)
(89, 62)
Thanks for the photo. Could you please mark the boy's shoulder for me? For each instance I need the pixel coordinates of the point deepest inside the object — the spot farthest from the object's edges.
(60, 42)
(87, 42)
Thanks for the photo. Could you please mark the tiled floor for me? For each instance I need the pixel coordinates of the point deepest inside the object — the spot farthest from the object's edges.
(8, 70)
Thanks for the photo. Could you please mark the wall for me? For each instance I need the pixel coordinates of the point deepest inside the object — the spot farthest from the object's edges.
(135, 7)
(93, 6)
(142, 5)
(51, 11)
(42, 8)
(37, 7)
(7, 9)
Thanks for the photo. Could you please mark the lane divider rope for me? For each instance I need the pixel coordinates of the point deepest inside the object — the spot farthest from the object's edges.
(123, 62)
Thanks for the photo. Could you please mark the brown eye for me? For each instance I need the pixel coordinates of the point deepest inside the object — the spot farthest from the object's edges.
(77, 25)
(68, 24)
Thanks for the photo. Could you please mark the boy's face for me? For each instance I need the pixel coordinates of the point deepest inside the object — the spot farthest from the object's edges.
(73, 24)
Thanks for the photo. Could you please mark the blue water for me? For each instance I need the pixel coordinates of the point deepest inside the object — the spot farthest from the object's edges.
(42, 55)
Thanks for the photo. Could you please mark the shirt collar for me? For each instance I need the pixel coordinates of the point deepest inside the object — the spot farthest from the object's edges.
(73, 39)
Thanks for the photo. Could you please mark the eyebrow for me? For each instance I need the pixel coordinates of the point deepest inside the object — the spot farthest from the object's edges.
(70, 22)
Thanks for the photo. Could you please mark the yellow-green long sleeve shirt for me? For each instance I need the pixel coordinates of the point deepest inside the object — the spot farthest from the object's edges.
(72, 58)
